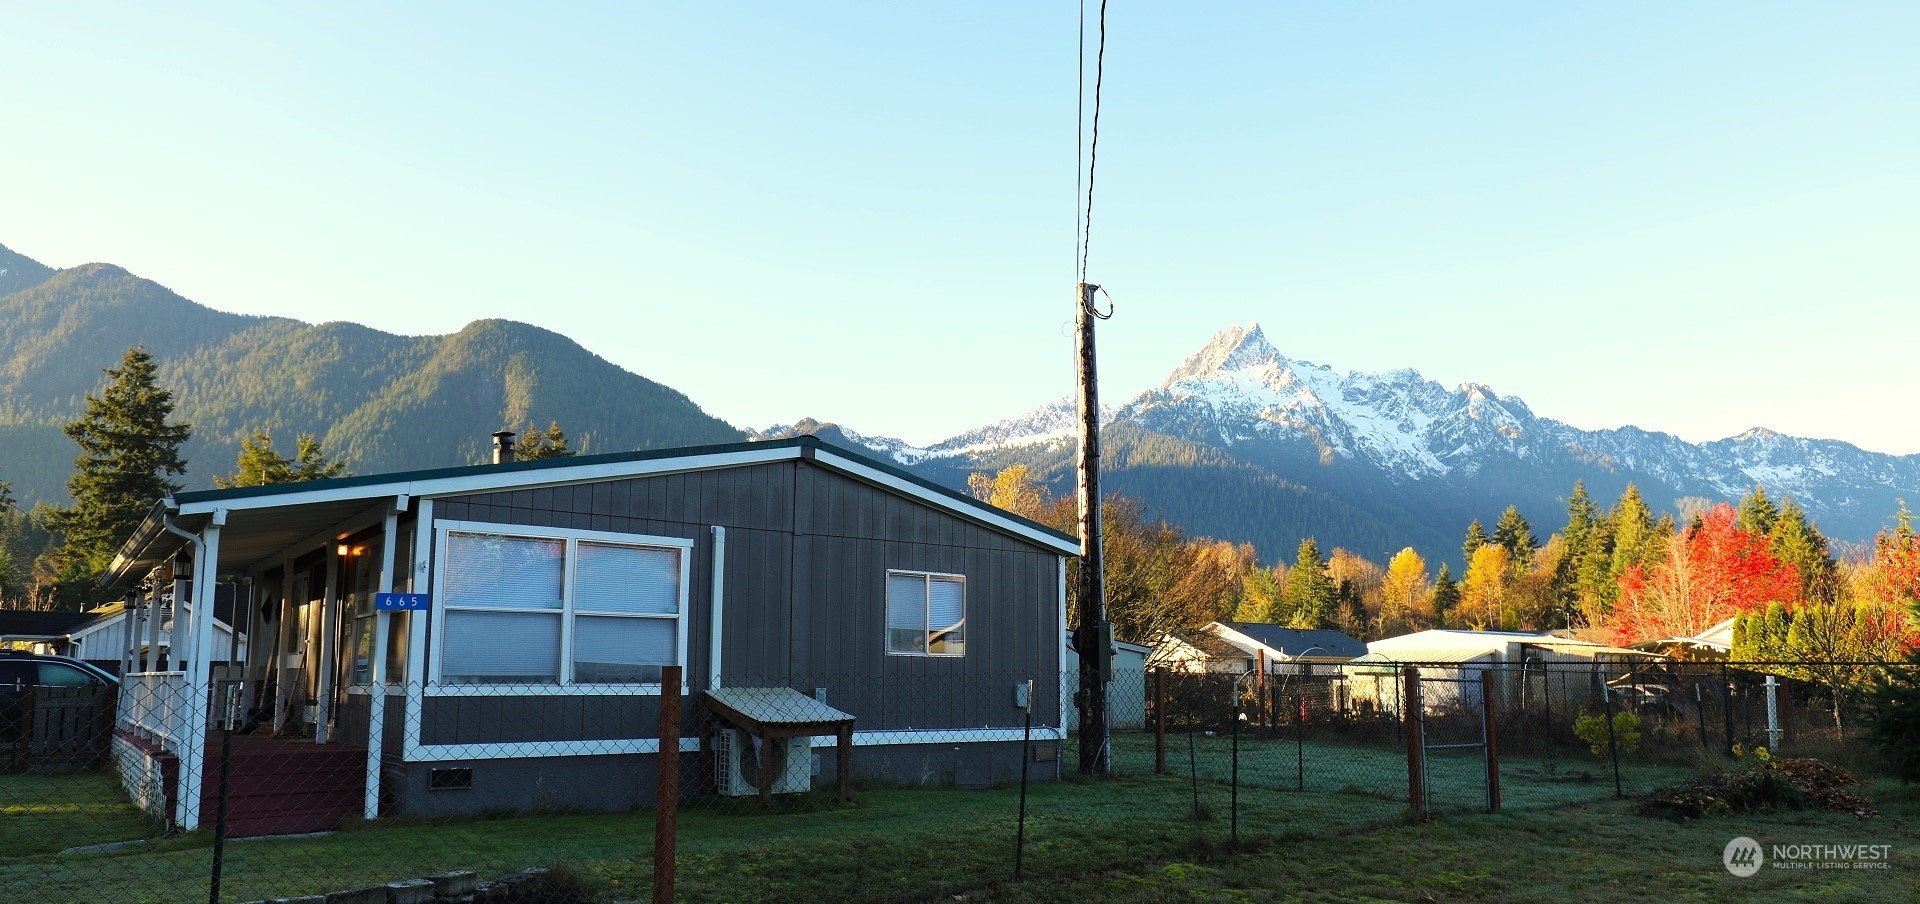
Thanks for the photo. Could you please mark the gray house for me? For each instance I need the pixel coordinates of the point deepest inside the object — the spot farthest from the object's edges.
(494, 636)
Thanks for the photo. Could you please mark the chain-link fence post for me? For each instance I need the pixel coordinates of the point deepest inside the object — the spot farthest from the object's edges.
(666, 802)
(1300, 742)
(1160, 721)
(1410, 706)
(1493, 740)
(1234, 798)
(1613, 742)
(226, 781)
(1026, 753)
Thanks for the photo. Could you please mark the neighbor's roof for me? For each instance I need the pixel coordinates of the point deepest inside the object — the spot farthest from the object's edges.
(329, 502)
(1587, 648)
(1296, 642)
(1419, 657)
(18, 624)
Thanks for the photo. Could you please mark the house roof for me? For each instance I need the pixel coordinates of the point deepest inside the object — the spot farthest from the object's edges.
(1421, 657)
(1293, 642)
(299, 510)
(18, 624)
(1718, 638)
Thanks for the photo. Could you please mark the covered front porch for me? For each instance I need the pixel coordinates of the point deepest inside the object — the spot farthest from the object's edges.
(298, 696)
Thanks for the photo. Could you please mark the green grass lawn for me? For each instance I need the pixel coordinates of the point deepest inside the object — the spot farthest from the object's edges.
(1131, 838)
(1456, 780)
(1598, 852)
(42, 814)
(895, 844)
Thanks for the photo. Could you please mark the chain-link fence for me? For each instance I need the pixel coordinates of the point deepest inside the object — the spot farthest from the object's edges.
(834, 787)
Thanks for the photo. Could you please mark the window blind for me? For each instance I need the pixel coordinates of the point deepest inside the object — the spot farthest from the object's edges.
(906, 613)
(623, 648)
(506, 646)
(505, 572)
(627, 579)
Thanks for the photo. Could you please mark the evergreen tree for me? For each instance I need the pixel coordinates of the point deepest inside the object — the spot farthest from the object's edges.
(1514, 533)
(259, 464)
(1798, 542)
(1636, 535)
(11, 579)
(127, 452)
(1446, 597)
(1756, 512)
(1581, 515)
(1476, 538)
(534, 445)
(1309, 594)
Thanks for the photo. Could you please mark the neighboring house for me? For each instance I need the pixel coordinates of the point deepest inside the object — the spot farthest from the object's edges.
(1234, 647)
(43, 632)
(556, 591)
(99, 636)
(1126, 693)
(1529, 666)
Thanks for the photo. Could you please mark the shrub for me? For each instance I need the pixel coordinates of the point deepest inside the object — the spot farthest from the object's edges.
(1593, 730)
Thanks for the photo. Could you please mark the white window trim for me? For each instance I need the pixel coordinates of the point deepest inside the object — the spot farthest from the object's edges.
(572, 537)
(886, 642)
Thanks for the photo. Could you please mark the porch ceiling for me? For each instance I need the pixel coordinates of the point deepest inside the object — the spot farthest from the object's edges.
(256, 536)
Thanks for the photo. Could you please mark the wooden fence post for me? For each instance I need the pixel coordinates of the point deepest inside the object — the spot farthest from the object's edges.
(1410, 710)
(666, 801)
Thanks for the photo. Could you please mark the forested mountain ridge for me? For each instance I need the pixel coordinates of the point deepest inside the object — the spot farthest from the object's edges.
(380, 401)
(1241, 442)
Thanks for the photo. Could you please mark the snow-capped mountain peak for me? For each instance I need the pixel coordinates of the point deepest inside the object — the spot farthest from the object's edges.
(1235, 348)
(1415, 445)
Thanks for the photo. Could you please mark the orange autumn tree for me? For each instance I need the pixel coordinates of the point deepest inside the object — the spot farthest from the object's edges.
(1711, 571)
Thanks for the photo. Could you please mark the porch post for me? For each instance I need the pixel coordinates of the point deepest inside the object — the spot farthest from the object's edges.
(193, 741)
(419, 580)
(377, 668)
(323, 663)
(284, 678)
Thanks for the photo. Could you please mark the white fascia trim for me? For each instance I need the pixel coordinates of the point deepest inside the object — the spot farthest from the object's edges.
(547, 690)
(940, 736)
(518, 750)
(441, 753)
(875, 475)
(516, 480)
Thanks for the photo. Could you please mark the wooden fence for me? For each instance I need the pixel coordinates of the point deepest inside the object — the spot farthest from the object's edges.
(64, 729)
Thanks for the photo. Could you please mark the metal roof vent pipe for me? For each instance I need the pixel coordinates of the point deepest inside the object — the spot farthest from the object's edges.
(503, 447)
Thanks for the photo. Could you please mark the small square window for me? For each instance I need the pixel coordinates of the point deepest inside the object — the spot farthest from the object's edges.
(926, 614)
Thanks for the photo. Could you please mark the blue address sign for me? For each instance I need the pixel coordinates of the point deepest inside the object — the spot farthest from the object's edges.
(402, 602)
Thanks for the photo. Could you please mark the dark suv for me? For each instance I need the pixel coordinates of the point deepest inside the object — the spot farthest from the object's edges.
(19, 671)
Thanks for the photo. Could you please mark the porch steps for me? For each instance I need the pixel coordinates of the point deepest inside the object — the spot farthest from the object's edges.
(275, 786)
(284, 788)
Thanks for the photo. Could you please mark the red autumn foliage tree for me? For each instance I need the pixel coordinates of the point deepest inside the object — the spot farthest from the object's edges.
(1893, 579)
(1711, 572)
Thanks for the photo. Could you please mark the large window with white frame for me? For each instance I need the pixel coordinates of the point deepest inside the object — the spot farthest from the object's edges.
(926, 614)
(521, 605)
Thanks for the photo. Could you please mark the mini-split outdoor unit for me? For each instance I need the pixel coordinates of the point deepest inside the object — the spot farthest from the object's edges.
(738, 763)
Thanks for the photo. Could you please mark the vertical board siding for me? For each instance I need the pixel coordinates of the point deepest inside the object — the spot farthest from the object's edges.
(808, 550)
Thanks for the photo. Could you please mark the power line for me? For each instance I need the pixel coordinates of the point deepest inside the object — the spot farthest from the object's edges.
(1079, 139)
(1093, 149)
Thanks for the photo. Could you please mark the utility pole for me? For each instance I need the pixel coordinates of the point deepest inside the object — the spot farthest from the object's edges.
(1093, 638)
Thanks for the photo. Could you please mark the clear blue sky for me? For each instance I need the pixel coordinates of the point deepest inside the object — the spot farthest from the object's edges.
(1697, 218)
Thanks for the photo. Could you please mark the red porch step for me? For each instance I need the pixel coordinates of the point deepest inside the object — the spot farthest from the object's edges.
(284, 787)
